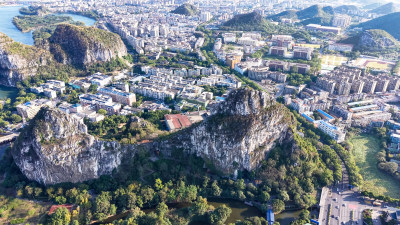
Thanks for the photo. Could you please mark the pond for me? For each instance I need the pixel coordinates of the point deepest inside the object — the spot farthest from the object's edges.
(8, 92)
(240, 211)
(7, 13)
(86, 20)
(286, 217)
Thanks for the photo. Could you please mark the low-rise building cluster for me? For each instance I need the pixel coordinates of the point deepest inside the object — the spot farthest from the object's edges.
(162, 84)
(335, 132)
(346, 81)
(258, 67)
(50, 89)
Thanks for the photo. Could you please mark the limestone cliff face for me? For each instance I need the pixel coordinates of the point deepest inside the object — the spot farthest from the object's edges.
(77, 45)
(56, 148)
(240, 132)
(19, 61)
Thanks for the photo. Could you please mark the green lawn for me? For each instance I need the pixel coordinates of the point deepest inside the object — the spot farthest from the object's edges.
(365, 149)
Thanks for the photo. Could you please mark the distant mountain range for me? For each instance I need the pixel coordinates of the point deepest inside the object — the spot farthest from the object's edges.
(385, 9)
(389, 23)
(313, 14)
(372, 6)
(346, 9)
(186, 9)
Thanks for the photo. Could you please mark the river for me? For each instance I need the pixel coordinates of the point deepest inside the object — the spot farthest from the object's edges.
(7, 13)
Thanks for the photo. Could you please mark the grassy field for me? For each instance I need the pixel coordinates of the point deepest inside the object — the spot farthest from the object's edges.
(333, 60)
(17, 211)
(365, 149)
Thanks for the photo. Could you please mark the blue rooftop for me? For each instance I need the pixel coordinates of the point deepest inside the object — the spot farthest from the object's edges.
(325, 114)
(308, 118)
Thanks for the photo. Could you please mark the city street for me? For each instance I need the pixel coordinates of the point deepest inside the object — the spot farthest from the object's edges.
(345, 207)
(340, 205)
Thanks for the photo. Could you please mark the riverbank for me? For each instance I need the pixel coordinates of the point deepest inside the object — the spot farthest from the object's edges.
(30, 23)
(7, 14)
(365, 149)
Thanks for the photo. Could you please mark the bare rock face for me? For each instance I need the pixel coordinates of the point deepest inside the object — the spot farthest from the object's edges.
(56, 148)
(19, 61)
(78, 45)
(239, 134)
(377, 40)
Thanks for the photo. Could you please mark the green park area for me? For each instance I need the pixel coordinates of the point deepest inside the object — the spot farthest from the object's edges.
(365, 150)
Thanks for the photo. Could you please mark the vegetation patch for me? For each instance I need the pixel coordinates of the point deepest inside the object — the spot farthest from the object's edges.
(186, 9)
(366, 147)
(17, 211)
(28, 23)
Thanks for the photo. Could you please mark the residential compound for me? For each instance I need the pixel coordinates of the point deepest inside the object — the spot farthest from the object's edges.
(122, 97)
(150, 33)
(346, 81)
(297, 53)
(257, 66)
(161, 84)
(284, 46)
(230, 54)
(335, 132)
(50, 88)
(98, 101)
(353, 97)
(363, 113)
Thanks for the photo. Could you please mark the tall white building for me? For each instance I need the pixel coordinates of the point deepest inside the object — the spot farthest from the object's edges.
(341, 21)
(205, 16)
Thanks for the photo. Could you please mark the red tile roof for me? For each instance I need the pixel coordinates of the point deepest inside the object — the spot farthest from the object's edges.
(54, 207)
(178, 121)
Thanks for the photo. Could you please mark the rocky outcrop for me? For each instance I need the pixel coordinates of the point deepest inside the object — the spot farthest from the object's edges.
(377, 40)
(239, 133)
(19, 61)
(78, 45)
(56, 148)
